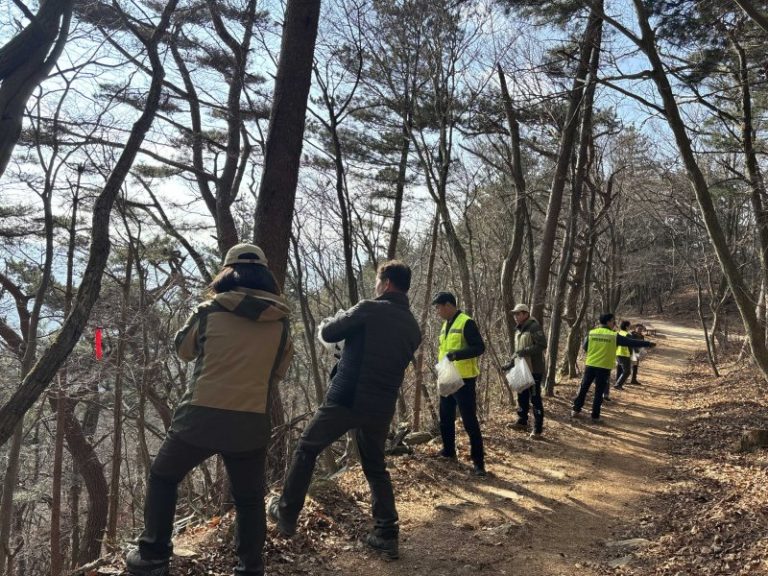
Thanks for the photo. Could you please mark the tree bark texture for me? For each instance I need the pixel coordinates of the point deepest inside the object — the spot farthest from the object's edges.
(277, 191)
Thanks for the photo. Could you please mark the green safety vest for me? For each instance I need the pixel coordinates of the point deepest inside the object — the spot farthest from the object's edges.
(623, 350)
(601, 348)
(453, 342)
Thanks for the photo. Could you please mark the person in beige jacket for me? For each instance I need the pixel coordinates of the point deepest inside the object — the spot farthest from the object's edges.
(240, 344)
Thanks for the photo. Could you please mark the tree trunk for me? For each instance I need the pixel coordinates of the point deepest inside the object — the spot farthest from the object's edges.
(92, 472)
(567, 140)
(9, 489)
(700, 311)
(419, 385)
(25, 62)
(520, 209)
(57, 558)
(117, 422)
(282, 155)
(402, 169)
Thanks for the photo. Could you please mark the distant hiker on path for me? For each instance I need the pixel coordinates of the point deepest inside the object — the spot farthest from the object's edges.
(600, 346)
(380, 337)
(530, 343)
(623, 357)
(637, 334)
(461, 343)
(241, 346)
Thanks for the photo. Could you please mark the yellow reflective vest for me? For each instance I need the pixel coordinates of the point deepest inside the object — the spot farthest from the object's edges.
(601, 348)
(454, 341)
(623, 350)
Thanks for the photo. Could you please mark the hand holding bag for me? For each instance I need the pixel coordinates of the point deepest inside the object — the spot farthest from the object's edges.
(520, 377)
(448, 378)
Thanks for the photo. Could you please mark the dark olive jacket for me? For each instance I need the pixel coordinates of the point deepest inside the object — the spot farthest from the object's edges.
(530, 343)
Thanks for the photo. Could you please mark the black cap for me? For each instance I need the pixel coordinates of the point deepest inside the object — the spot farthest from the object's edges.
(444, 298)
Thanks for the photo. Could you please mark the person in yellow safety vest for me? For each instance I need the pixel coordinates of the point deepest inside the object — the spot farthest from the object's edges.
(623, 358)
(461, 343)
(600, 346)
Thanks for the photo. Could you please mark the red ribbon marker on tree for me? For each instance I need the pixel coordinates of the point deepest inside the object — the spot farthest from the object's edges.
(97, 344)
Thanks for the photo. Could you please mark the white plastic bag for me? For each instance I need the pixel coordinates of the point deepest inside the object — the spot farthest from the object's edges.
(334, 348)
(448, 378)
(519, 376)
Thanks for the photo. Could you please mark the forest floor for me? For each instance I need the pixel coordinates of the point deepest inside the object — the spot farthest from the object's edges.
(656, 489)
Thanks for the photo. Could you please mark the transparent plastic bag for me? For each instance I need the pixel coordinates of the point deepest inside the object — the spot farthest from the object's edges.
(448, 378)
(334, 348)
(519, 376)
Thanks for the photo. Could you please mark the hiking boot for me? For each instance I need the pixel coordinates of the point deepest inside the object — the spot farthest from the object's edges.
(519, 425)
(621, 387)
(575, 413)
(479, 471)
(536, 435)
(635, 382)
(136, 566)
(597, 420)
(388, 547)
(607, 399)
(285, 529)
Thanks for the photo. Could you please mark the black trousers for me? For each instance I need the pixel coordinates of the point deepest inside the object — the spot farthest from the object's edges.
(465, 398)
(173, 462)
(623, 368)
(328, 425)
(600, 376)
(530, 396)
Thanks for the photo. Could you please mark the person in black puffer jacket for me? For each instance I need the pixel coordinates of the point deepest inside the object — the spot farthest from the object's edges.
(380, 337)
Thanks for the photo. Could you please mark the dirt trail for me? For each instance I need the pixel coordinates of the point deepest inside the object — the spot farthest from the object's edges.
(548, 507)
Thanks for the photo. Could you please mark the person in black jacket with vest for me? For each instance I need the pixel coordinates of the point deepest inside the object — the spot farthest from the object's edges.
(380, 338)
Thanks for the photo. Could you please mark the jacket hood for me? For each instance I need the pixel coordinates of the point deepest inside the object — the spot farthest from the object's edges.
(256, 305)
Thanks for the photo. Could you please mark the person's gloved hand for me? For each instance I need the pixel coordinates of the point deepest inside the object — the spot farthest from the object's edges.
(508, 366)
(451, 356)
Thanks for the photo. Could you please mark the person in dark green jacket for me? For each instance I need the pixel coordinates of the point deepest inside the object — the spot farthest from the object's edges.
(530, 343)
(241, 347)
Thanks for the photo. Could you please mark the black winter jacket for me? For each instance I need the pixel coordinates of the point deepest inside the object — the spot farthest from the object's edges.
(380, 337)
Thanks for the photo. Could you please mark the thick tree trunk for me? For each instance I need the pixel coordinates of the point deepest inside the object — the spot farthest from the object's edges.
(92, 472)
(565, 152)
(277, 192)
